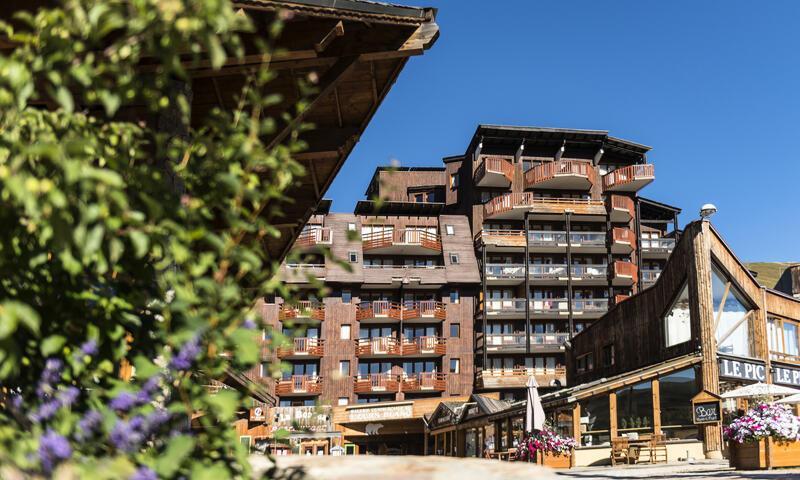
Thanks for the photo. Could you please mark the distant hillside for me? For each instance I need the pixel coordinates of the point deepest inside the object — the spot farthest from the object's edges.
(769, 272)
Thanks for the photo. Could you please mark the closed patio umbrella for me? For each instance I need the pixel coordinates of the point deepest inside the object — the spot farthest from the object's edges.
(760, 390)
(534, 413)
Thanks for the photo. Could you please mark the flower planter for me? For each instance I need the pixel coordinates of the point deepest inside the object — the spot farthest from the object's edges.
(553, 461)
(754, 455)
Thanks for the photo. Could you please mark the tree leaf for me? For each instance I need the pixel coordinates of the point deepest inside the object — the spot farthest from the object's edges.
(140, 243)
(64, 98)
(177, 450)
(12, 313)
(52, 344)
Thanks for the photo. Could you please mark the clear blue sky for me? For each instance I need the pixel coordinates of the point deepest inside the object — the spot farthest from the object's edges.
(713, 87)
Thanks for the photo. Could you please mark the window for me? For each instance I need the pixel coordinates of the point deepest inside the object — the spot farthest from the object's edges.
(343, 401)
(344, 332)
(734, 314)
(595, 421)
(635, 408)
(454, 296)
(344, 368)
(783, 339)
(585, 363)
(449, 230)
(455, 365)
(608, 355)
(351, 227)
(264, 370)
(347, 296)
(352, 257)
(677, 323)
(453, 181)
(676, 392)
(454, 258)
(455, 330)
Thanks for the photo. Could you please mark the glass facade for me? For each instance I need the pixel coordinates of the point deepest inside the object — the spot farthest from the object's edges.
(676, 391)
(595, 421)
(678, 322)
(635, 408)
(733, 334)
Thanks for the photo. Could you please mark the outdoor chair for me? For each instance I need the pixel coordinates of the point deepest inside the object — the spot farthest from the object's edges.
(619, 451)
(658, 449)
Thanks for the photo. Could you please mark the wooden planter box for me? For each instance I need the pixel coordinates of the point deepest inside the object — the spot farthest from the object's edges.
(753, 456)
(552, 461)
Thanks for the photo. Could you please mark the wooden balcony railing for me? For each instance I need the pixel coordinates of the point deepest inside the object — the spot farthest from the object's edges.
(623, 269)
(497, 165)
(401, 310)
(620, 298)
(623, 203)
(303, 346)
(628, 174)
(302, 309)
(299, 384)
(517, 377)
(623, 235)
(377, 346)
(376, 382)
(401, 236)
(561, 168)
(427, 345)
(311, 236)
(509, 201)
(424, 382)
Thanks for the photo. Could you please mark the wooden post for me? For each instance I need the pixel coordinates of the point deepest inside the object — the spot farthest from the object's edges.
(656, 387)
(425, 442)
(612, 414)
(576, 423)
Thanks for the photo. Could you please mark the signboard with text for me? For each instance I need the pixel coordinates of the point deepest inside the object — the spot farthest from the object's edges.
(742, 370)
(706, 408)
(786, 375)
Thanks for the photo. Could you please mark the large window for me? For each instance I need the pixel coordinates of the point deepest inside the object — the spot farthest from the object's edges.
(677, 323)
(635, 408)
(732, 315)
(595, 421)
(676, 392)
(783, 339)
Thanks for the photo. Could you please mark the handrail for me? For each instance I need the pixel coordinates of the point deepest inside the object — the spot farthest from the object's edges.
(314, 235)
(406, 267)
(518, 339)
(623, 235)
(554, 169)
(628, 174)
(660, 243)
(508, 201)
(386, 382)
(625, 269)
(377, 346)
(424, 344)
(302, 309)
(521, 371)
(498, 165)
(650, 275)
(401, 236)
(545, 305)
(401, 310)
(299, 384)
(424, 381)
(311, 346)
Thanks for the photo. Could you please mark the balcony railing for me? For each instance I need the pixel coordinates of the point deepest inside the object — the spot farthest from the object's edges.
(303, 347)
(311, 236)
(625, 272)
(424, 382)
(505, 271)
(376, 383)
(571, 174)
(401, 310)
(547, 305)
(299, 384)
(621, 209)
(526, 201)
(377, 346)
(658, 245)
(516, 341)
(494, 172)
(303, 309)
(425, 345)
(623, 240)
(649, 277)
(402, 237)
(517, 377)
(549, 238)
(630, 178)
(515, 271)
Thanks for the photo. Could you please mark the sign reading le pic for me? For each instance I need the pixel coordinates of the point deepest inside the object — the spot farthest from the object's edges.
(742, 370)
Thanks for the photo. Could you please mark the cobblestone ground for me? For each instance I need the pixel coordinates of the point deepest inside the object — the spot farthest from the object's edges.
(711, 470)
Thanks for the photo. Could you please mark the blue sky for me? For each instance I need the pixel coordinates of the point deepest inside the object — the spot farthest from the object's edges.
(713, 87)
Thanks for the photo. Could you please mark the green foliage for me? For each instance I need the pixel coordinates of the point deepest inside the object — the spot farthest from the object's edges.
(123, 240)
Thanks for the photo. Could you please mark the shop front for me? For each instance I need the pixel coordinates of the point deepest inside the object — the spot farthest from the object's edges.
(289, 431)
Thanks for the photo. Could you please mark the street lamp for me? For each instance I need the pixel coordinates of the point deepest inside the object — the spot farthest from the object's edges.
(707, 210)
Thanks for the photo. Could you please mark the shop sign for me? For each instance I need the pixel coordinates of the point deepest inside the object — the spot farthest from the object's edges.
(706, 408)
(305, 419)
(786, 375)
(257, 414)
(371, 414)
(742, 370)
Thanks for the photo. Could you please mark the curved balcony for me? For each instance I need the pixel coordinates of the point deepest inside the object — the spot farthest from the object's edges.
(561, 174)
(299, 385)
(621, 209)
(424, 382)
(403, 241)
(384, 310)
(512, 206)
(494, 172)
(377, 347)
(302, 347)
(623, 240)
(376, 383)
(313, 236)
(625, 273)
(517, 377)
(305, 309)
(515, 342)
(657, 247)
(631, 178)
(426, 346)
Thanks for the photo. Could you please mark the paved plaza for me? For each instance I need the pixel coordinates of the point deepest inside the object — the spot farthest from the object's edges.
(701, 470)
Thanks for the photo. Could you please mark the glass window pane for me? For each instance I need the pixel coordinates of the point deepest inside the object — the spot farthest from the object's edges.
(676, 391)
(595, 421)
(790, 338)
(677, 324)
(635, 408)
(734, 308)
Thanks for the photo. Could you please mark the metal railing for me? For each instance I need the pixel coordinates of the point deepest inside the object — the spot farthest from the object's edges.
(658, 244)
(545, 271)
(517, 340)
(547, 305)
(650, 276)
(546, 238)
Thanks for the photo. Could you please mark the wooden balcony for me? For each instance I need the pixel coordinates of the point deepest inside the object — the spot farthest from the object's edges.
(562, 174)
(299, 385)
(623, 240)
(657, 247)
(385, 310)
(376, 383)
(313, 236)
(621, 209)
(497, 240)
(305, 309)
(517, 377)
(494, 172)
(512, 206)
(625, 273)
(424, 346)
(302, 347)
(424, 382)
(402, 242)
(620, 298)
(629, 179)
(377, 347)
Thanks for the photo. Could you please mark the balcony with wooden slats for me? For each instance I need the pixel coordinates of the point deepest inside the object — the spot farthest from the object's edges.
(501, 240)
(517, 377)
(302, 310)
(302, 347)
(425, 346)
(376, 383)
(562, 174)
(402, 241)
(623, 240)
(621, 209)
(631, 178)
(512, 206)
(625, 273)
(313, 236)
(424, 382)
(494, 172)
(386, 311)
(377, 347)
(299, 385)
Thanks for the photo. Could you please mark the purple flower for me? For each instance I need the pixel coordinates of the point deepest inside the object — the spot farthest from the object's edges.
(144, 473)
(46, 411)
(53, 448)
(88, 425)
(89, 347)
(125, 436)
(50, 375)
(155, 420)
(68, 396)
(16, 401)
(249, 324)
(124, 402)
(186, 355)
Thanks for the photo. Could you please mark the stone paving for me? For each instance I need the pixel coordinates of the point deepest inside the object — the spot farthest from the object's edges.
(700, 470)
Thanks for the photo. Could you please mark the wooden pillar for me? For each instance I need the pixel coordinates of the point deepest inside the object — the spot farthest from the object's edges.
(425, 442)
(702, 309)
(612, 414)
(656, 387)
(576, 423)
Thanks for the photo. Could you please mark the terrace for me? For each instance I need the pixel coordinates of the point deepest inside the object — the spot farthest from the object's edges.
(621, 209)
(312, 236)
(384, 310)
(631, 178)
(302, 347)
(561, 174)
(657, 247)
(623, 240)
(513, 206)
(305, 309)
(424, 382)
(494, 172)
(515, 342)
(299, 385)
(517, 377)
(624, 273)
(376, 383)
(402, 241)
